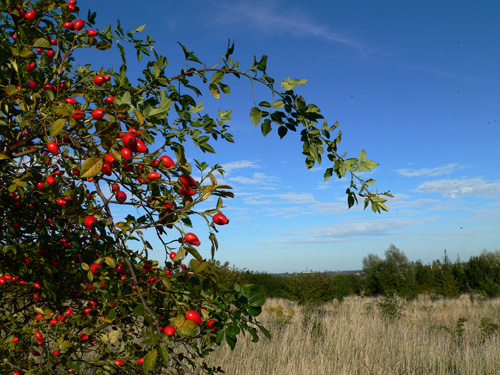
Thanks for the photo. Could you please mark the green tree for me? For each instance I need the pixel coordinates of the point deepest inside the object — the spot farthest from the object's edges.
(79, 289)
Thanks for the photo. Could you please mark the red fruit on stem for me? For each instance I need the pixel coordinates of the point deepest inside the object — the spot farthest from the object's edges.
(115, 187)
(106, 169)
(193, 316)
(69, 25)
(192, 239)
(119, 362)
(97, 114)
(70, 101)
(50, 53)
(30, 15)
(79, 24)
(78, 114)
(220, 219)
(96, 269)
(50, 180)
(172, 255)
(154, 175)
(89, 222)
(140, 146)
(121, 197)
(99, 80)
(53, 42)
(109, 99)
(91, 33)
(187, 180)
(31, 66)
(109, 158)
(129, 140)
(169, 330)
(61, 202)
(40, 185)
(52, 147)
(187, 191)
(126, 154)
(140, 360)
(167, 161)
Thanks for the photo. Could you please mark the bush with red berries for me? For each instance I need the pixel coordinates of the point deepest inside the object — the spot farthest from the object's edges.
(78, 287)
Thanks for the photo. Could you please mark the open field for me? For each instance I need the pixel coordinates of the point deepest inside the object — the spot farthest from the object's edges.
(440, 336)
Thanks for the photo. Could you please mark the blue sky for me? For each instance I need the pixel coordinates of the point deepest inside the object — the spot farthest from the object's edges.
(415, 84)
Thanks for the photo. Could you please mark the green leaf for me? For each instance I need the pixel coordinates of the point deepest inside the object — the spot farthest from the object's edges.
(217, 77)
(42, 43)
(139, 29)
(362, 156)
(266, 127)
(289, 84)
(255, 116)
(282, 130)
(165, 355)
(57, 127)
(91, 167)
(138, 310)
(149, 360)
(4, 157)
(214, 90)
(257, 300)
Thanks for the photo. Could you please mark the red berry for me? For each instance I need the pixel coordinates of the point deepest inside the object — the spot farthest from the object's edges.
(52, 147)
(119, 362)
(99, 79)
(154, 175)
(115, 187)
(167, 161)
(140, 146)
(61, 202)
(92, 33)
(69, 25)
(78, 114)
(89, 222)
(96, 269)
(30, 15)
(187, 191)
(38, 335)
(106, 169)
(220, 219)
(31, 66)
(70, 101)
(140, 360)
(109, 99)
(50, 180)
(193, 316)
(109, 158)
(40, 185)
(187, 180)
(172, 255)
(192, 239)
(129, 140)
(50, 53)
(169, 330)
(126, 154)
(32, 85)
(121, 197)
(53, 42)
(79, 24)
(97, 114)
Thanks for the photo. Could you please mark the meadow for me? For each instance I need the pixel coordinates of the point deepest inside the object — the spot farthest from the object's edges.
(372, 335)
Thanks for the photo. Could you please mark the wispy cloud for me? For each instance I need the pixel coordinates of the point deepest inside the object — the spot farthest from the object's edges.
(338, 233)
(455, 188)
(282, 17)
(258, 178)
(437, 171)
(242, 164)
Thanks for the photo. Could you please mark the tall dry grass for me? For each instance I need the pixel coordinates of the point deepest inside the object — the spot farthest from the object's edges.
(444, 336)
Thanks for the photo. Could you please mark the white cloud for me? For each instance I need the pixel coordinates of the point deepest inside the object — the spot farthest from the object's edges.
(297, 198)
(340, 232)
(257, 178)
(281, 17)
(242, 164)
(437, 171)
(455, 188)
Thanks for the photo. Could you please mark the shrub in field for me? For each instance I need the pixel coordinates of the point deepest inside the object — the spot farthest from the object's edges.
(391, 307)
(79, 289)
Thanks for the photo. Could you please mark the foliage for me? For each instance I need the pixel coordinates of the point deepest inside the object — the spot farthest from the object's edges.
(391, 307)
(80, 291)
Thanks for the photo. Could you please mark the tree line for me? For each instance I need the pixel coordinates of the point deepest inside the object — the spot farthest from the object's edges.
(393, 274)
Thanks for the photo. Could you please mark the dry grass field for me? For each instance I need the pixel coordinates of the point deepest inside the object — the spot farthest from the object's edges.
(432, 336)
